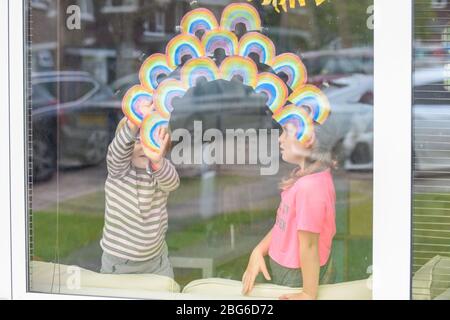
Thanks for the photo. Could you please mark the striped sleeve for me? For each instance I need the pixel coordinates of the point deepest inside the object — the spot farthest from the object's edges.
(120, 152)
(167, 177)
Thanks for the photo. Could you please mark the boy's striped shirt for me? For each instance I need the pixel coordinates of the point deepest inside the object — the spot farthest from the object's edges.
(135, 208)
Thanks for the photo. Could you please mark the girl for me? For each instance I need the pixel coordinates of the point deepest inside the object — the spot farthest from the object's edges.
(299, 244)
(136, 191)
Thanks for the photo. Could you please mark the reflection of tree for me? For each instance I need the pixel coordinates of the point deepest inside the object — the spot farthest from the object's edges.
(345, 21)
(122, 34)
(344, 25)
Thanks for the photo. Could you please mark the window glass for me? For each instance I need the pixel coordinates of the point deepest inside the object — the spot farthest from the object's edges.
(431, 116)
(94, 211)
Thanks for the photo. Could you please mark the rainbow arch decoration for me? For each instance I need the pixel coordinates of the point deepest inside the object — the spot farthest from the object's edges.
(190, 60)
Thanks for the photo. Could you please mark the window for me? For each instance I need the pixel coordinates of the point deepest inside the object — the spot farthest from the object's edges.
(114, 6)
(220, 211)
(40, 4)
(87, 10)
(431, 153)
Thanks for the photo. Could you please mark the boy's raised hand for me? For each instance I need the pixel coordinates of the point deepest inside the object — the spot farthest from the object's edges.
(146, 107)
(156, 157)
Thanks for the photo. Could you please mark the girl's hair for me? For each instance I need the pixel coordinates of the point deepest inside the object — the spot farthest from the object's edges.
(317, 160)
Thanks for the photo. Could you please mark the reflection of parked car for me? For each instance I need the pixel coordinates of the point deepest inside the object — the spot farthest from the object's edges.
(121, 85)
(325, 66)
(358, 143)
(428, 116)
(349, 97)
(73, 117)
(223, 105)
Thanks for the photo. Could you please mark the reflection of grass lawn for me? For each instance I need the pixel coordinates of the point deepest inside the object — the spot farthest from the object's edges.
(75, 232)
(190, 188)
(430, 227)
(81, 222)
(198, 230)
(79, 230)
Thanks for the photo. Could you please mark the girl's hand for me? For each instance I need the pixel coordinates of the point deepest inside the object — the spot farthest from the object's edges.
(297, 296)
(157, 157)
(256, 265)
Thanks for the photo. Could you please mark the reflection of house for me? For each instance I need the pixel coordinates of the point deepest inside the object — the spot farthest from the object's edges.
(116, 35)
(46, 15)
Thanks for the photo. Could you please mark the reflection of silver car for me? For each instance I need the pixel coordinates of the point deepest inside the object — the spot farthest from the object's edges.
(223, 105)
(121, 85)
(73, 118)
(358, 144)
(220, 104)
(429, 124)
(349, 97)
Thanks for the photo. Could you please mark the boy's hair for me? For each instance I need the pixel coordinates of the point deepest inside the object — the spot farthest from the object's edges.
(121, 124)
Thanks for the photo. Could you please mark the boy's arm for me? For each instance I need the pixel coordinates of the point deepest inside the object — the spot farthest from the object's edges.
(166, 175)
(120, 151)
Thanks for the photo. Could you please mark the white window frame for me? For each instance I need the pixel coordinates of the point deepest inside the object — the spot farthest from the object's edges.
(392, 160)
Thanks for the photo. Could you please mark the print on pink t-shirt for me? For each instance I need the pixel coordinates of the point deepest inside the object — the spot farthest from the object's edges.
(309, 205)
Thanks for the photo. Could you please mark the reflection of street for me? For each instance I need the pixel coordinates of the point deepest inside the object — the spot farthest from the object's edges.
(66, 185)
(241, 193)
(248, 190)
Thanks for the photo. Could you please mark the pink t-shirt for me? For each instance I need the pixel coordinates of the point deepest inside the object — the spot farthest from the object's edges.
(309, 205)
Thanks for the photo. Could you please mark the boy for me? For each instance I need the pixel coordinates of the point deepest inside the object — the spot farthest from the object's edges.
(136, 190)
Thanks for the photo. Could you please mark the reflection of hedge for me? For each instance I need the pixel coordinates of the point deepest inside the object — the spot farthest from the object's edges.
(329, 22)
(423, 16)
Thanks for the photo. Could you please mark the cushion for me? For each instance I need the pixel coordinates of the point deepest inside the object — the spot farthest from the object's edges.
(231, 289)
(432, 279)
(444, 296)
(43, 274)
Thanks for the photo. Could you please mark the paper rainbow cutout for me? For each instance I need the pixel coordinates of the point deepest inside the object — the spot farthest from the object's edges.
(220, 39)
(182, 46)
(275, 90)
(292, 66)
(190, 57)
(237, 13)
(167, 91)
(255, 42)
(199, 19)
(196, 69)
(149, 130)
(314, 100)
(299, 118)
(153, 70)
(131, 103)
(241, 67)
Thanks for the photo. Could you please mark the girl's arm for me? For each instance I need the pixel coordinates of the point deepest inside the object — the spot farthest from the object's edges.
(263, 245)
(256, 264)
(309, 256)
(120, 150)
